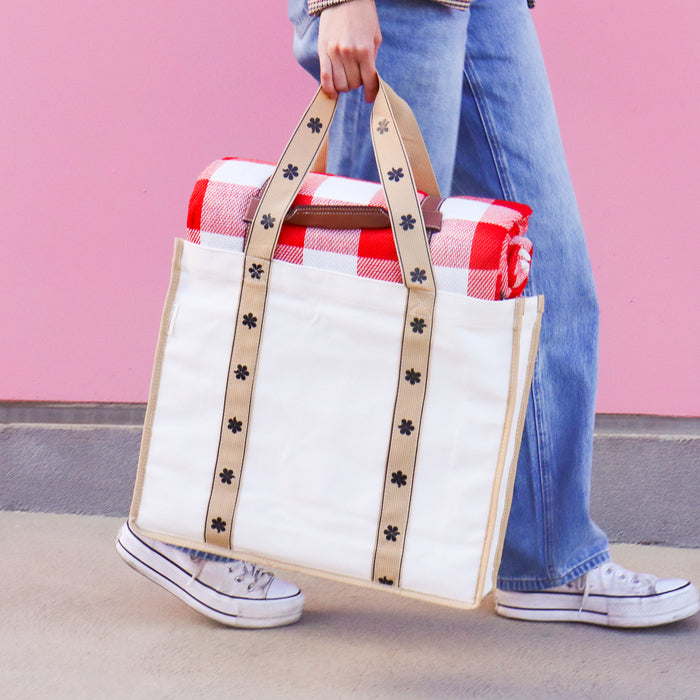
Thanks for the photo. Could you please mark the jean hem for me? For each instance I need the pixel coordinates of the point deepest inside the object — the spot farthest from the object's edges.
(539, 584)
(202, 555)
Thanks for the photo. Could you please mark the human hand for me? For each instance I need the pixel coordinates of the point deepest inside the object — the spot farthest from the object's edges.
(348, 40)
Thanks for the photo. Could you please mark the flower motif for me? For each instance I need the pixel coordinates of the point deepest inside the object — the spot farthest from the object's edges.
(418, 275)
(256, 271)
(251, 321)
(391, 533)
(406, 427)
(412, 376)
(407, 222)
(218, 524)
(395, 174)
(242, 372)
(383, 126)
(226, 476)
(315, 125)
(290, 172)
(418, 325)
(267, 221)
(398, 478)
(386, 581)
(235, 425)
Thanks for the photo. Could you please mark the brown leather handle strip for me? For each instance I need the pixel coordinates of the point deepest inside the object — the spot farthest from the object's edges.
(350, 216)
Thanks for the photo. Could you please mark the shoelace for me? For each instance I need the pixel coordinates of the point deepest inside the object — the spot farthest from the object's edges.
(243, 569)
(584, 597)
(612, 569)
(619, 572)
(200, 565)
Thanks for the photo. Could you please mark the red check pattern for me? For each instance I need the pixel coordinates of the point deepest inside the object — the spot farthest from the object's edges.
(481, 250)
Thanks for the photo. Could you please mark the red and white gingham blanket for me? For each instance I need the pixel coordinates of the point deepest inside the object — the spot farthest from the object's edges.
(480, 251)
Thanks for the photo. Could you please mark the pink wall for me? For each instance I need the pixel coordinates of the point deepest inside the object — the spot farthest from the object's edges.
(110, 110)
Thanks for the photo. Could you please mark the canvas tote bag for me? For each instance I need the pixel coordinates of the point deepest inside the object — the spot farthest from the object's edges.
(337, 425)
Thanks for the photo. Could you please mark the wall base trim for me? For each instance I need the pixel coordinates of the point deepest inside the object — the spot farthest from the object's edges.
(81, 458)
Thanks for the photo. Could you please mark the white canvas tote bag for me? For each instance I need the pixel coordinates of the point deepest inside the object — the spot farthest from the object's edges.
(338, 425)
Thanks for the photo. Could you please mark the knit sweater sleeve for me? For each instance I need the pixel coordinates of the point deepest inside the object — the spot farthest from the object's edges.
(317, 6)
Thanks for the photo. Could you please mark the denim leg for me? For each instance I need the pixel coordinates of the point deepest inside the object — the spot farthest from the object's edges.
(510, 147)
(491, 105)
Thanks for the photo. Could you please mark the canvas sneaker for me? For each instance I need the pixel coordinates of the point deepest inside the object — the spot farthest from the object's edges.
(232, 592)
(608, 595)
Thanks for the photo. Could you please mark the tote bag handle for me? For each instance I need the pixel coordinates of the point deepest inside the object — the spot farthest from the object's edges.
(404, 167)
(406, 217)
(413, 140)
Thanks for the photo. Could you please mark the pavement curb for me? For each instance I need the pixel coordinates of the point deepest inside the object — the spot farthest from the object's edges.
(81, 458)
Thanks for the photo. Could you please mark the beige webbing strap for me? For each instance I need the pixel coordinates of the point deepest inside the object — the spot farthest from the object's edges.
(417, 271)
(260, 245)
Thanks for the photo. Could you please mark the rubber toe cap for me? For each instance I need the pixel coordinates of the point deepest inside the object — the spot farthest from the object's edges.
(281, 589)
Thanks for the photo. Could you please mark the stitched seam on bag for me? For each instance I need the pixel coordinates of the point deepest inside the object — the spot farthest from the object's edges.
(155, 381)
(508, 418)
(524, 398)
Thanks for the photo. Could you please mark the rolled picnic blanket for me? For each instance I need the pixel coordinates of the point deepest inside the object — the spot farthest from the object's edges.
(478, 246)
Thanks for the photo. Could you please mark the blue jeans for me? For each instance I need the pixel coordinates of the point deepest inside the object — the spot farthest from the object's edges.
(478, 87)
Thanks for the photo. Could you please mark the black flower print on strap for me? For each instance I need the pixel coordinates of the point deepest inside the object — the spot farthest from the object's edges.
(412, 377)
(235, 425)
(242, 372)
(256, 271)
(290, 172)
(251, 321)
(418, 275)
(407, 222)
(391, 533)
(226, 476)
(315, 125)
(406, 427)
(398, 478)
(383, 126)
(218, 524)
(267, 221)
(418, 325)
(386, 581)
(395, 174)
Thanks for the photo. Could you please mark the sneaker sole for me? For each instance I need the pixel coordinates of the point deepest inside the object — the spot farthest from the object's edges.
(228, 610)
(607, 611)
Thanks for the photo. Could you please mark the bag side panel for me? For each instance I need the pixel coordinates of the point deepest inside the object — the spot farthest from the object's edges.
(532, 318)
(156, 375)
(460, 450)
(184, 431)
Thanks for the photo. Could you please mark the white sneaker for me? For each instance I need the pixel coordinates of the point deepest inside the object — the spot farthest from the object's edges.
(232, 592)
(608, 595)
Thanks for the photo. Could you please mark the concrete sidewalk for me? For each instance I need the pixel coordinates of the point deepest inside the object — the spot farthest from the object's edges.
(78, 623)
